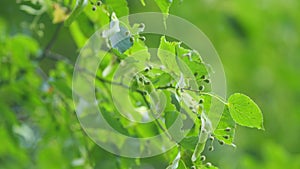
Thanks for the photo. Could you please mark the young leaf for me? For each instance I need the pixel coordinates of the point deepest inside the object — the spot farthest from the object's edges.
(120, 7)
(194, 62)
(226, 127)
(244, 111)
(166, 54)
(164, 5)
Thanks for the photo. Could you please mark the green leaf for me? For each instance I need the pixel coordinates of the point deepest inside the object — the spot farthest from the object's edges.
(114, 121)
(80, 4)
(77, 34)
(162, 80)
(62, 87)
(174, 124)
(175, 162)
(171, 117)
(181, 165)
(244, 111)
(189, 143)
(164, 5)
(210, 167)
(198, 150)
(120, 7)
(193, 60)
(226, 128)
(166, 54)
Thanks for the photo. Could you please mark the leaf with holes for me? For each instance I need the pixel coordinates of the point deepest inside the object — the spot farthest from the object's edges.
(226, 128)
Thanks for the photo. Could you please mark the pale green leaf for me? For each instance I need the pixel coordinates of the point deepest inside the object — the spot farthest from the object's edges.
(164, 5)
(245, 111)
(226, 128)
(166, 54)
(120, 7)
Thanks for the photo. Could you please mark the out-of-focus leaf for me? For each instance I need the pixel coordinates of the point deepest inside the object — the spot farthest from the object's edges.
(32, 11)
(77, 35)
(53, 150)
(189, 143)
(164, 5)
(59, 13)
(80, 4)
(62, 86)
(13, 156)
(182, 165)
(143, 2)
(27, 136)
(114, 121)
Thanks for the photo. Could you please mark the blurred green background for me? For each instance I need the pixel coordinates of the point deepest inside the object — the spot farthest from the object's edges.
(257, 41)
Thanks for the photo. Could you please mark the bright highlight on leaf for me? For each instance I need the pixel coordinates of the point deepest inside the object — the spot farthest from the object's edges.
(244, 111)
(164, 5)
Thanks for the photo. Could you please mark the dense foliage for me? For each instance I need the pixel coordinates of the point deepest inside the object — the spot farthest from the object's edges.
(39, 126)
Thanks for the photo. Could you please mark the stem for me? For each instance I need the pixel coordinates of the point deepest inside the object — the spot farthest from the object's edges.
(156, 120)
(197, 91)
(51, 42)
(209, 94)
(215, 96)
(141, 92)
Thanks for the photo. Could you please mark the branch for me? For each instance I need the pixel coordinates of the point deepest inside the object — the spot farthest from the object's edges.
(197, 91)
(51, 42)
(141, 92)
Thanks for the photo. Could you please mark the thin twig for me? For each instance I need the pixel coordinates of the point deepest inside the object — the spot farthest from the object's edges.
(197, 91)
(51, 42)
(156, 120)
